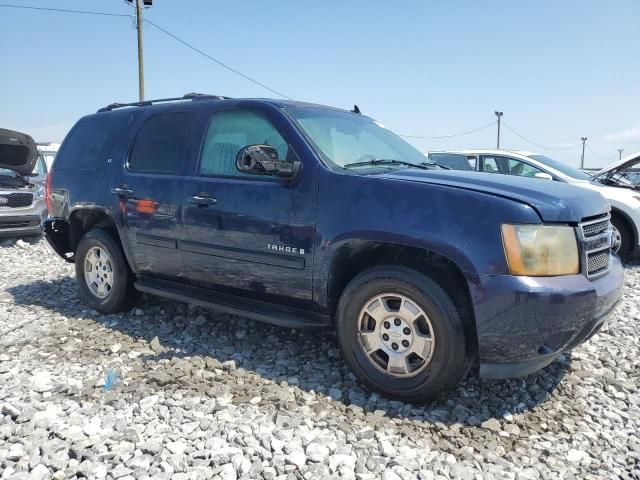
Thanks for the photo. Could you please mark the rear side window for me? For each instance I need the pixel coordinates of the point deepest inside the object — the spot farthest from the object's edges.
(161, 143)
(90, 142)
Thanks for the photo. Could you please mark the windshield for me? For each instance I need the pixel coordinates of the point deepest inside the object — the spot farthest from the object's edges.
(561, 167)
(38, 169)
(343, 138)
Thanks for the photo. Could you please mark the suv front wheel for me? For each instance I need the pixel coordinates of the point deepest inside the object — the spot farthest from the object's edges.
(105, 281)
(401, 334)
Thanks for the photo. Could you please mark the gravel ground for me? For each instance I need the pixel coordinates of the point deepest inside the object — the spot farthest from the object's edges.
(176, 392)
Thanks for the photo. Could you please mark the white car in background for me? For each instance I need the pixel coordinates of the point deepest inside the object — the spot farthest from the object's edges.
(613, 182)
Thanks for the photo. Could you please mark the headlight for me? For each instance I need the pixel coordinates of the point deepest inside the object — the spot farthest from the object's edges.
(541, 250)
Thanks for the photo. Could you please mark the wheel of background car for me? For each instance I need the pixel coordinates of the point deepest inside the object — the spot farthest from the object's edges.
(104, 278)
(622, 237)
(401, 334)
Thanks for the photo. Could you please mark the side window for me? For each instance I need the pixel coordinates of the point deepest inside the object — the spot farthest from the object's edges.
(231, 130)
(90, 142)
(161, 143)
(473, 161)
(523, 169)
(490, 165)
(451, 160)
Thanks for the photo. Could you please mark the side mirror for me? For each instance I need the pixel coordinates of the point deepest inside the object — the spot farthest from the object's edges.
(263, 160)
(543, 176)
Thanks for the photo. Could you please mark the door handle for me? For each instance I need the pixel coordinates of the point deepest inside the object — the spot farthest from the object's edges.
(122, 190)
(202, 200)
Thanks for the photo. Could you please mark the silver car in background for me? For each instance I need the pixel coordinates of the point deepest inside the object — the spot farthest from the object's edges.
(22, 193)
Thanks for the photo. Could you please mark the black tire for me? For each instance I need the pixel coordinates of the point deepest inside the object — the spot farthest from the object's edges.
(626, 237)
(449, 361)
(122, 295)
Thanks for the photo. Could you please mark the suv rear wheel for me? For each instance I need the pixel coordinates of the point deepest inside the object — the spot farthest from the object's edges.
(401, 334)
(105, 280)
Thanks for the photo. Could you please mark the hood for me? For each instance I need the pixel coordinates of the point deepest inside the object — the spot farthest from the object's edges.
(627, 162)
(554, 201)
(18, 152)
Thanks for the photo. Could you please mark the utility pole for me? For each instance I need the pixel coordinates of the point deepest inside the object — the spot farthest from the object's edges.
(620, 150)
(499, 115)
(584, 139)
(140, 56)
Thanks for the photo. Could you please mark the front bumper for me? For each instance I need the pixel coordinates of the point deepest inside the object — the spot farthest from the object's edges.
(524, 323)
(15, 222)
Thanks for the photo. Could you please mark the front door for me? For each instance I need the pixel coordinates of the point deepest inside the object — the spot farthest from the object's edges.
(246, 234)
(148, 191)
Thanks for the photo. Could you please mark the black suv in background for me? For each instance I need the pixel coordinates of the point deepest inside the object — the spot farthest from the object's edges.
(306, 215)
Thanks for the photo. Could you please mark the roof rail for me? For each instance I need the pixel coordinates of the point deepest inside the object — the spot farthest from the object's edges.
(146, 103)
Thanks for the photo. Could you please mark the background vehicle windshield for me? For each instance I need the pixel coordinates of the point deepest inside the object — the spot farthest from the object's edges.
(561, 167)
(343, 138)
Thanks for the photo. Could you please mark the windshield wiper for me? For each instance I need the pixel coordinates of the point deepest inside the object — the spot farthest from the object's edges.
(387, 161)
(431, 163)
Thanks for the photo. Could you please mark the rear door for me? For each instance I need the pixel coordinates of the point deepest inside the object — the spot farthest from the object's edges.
(147, 191)
(246, 234)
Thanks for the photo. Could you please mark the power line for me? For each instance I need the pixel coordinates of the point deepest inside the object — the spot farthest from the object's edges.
(537, 144)
(599, 156)
(453, 134)
(64, 10)
(175, 37)
(186, 44)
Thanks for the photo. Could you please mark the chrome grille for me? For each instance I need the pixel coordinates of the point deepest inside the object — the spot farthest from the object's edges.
(595, 236)
(597, 228)
(16, 200)
(597, 262)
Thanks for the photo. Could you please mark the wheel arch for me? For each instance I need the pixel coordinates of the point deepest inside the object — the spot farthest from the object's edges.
(357, 256)
(617, 212)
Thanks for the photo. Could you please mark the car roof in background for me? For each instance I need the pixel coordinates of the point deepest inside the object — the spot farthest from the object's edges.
(487, 151)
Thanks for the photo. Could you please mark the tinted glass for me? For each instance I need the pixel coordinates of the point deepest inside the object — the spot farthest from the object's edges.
(229, 132)
(90, 142)
(41, 167)
(490, 165)
(342, 138)
(161, 143)
(522, 169)
(451, 160)
(561, 167)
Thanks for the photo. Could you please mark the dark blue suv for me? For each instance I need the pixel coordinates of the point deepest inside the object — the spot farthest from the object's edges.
(306, 215)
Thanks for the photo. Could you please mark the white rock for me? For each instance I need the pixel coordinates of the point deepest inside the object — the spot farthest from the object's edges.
(576, 456)
(317, 452)
(41, 382)
(148, 402)
(177, 447)
(39, 472)
(297, 458)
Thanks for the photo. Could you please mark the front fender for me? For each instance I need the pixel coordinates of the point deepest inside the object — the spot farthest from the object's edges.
(458, 224)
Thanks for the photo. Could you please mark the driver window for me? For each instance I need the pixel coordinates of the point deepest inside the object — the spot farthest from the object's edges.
(522, 169)
(229, 132)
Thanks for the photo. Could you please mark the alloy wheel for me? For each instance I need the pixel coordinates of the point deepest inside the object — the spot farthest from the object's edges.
(98, 272)
(396, 335)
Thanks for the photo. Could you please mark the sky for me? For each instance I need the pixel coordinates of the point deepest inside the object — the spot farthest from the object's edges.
(558, 70)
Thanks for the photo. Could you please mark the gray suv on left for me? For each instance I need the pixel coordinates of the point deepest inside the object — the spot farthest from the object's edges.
(22, 185)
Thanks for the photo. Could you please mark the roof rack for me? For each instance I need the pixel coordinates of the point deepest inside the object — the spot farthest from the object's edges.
(146, 103)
